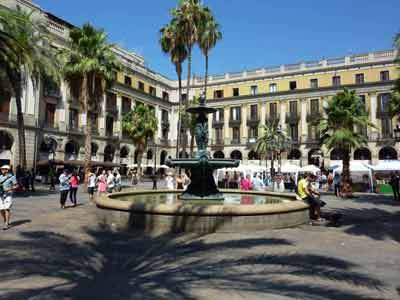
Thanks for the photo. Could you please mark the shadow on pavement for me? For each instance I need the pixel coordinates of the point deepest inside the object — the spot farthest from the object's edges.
(20, 222)
(111, 265)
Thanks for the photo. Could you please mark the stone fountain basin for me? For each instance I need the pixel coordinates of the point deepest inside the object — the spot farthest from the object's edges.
(185, 217)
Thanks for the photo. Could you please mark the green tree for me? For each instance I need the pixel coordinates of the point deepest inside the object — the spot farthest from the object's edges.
(189, 121)
(344, 112)
(141, 125)
(172, 43)
(89, 66)
(271, 143)
(24, 51)
(395, 103)
(209, 34)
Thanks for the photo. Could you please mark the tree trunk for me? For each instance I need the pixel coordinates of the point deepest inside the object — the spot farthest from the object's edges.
(189, 73)
(139, 163)
(88, 137)
(20, 121)
(178, 135)
(272, 171)
(206, 77)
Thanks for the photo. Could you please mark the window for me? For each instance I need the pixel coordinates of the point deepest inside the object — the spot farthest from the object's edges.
(386, 127)
(313, 132)
(384, 102)
(236, 134)
(218, 135)
(235, 92)
(73, 119)
(292, 85)
(50, 114)
(314, 83)
(152, 91)
(165, 96)
(128, 80)
(126, 105)
(314, 106)
(294, 132)
(164, 133)
(362, 97)
(109, 125)
(253, 90)
(183, 97)
(253, 112)
(336, 80)
(384, 75)
(219, 115)
(253, 133)
(141, 86)
(235, 113)
(164, 116)
(360, 78)
(218, 94)
(273, 88)
(293, 108)
(273, 109)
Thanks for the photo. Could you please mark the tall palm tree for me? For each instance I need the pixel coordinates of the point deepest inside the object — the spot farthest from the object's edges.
(344, 112)
(141, 125)
(172, 43)
(209, 34)
(24, 51)
(188, 15)
(271, 143)
(189, 122)
(89, 66)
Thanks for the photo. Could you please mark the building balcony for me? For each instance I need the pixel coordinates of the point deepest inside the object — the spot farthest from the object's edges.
(217, 144)
(234, 123)
(165, 124)
(273, 119)
(253, 121)
(53, 93)
(75, 129)
(313, 141)
(49, 125)
(383, 114)
(251, 142)
(235, 142)
(164, 142)
(217, 123)
(292, 118)
(313, 117)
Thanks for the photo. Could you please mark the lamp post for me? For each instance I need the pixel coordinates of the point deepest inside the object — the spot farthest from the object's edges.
(397, 132)
(155, 166)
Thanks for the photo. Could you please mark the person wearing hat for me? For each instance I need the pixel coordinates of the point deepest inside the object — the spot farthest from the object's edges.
(8, 183)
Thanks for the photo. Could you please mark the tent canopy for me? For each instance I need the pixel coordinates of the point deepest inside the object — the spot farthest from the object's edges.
(386, 165)
(289, 168)
(355, 166)
(310, 169)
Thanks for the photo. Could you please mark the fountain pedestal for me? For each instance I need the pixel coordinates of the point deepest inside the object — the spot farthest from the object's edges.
(201, 167)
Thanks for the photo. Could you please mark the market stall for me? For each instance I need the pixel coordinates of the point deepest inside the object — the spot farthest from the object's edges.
(382, 172)
(360, 173)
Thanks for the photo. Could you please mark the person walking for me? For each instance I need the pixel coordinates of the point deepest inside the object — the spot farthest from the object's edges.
(118, 181)
(8, 183)
(51, 177)
(102, 183)
(337, 181)
(245, 183)
(64, 187)
(91, 185)
(394, 183)
(110, 182)
(74, 181)
(258, 184)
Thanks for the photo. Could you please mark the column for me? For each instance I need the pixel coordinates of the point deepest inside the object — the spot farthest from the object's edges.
(173, 123)
(226, 125)
(373, 105)
(118, 122)
(303, 123)
(243, 124)
(102, 117)
(283, 114)
(262, 120)
(63, 109)
(159, 117)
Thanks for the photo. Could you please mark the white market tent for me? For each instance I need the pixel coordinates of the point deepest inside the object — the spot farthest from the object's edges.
(357, 170)
(289, 168)
(310, 169)
(386, 166)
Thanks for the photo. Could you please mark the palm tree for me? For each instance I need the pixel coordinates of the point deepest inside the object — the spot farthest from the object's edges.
(272, 143)
(209, 34)
(344, 112)
(188, 16)
(395, 103)
(189, 122)
(172, 43)
(141, 125)
(89, 66)
(24, 51)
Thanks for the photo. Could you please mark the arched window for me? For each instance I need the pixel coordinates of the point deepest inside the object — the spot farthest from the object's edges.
(337, 154)
(6, 140)
(109, 152)
(163, 157)
(149, 154)
(362, 154)
(124, 152)
(236, 154)
(219, 154)
(315, 157)
(253, 155)
(95, 148)
(71, 150)
(294, 154)
(387, 153)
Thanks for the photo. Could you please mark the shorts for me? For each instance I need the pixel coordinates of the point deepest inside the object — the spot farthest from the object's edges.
(314, 202)
(5, 202)
(90, 190)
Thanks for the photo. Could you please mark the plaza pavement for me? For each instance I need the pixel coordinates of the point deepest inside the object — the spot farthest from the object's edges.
(51, 253)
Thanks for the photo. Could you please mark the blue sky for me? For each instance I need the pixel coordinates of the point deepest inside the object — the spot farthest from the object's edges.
(257, 33)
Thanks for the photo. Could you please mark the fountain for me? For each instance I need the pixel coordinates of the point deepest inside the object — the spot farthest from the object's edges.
(202, 207)
(202, 185)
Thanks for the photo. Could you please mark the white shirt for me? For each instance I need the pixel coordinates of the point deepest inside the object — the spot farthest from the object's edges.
(92, 181)
(110, 181)
(169, 181)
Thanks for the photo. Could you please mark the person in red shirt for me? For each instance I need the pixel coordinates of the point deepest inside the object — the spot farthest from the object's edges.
(245, 183)
(74, 181)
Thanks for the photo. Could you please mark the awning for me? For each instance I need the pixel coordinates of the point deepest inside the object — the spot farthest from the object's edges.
(77, 163)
